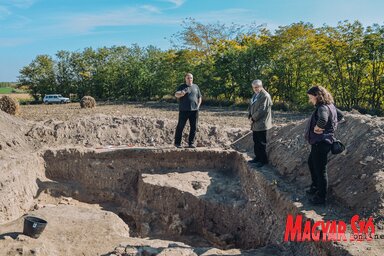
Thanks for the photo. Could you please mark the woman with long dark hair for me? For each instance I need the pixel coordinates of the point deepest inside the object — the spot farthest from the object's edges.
(320, 132)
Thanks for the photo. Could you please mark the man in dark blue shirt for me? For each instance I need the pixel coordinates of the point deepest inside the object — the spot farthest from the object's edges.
(189, 103)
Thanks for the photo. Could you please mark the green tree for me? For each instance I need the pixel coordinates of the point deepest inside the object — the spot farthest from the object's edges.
(293, 65)
(343, 62)
(64, 73)
(348, 59)
(373, 45)
(39, 76)
(84, 70)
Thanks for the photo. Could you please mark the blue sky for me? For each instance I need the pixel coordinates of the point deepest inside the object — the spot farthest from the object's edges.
(32, 27)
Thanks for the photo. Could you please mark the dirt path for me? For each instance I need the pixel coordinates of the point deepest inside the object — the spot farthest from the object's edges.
(213, 115)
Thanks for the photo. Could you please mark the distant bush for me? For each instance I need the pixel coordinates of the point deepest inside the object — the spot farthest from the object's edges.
(243, 104)
(28, 101)
(8, 84)
(9, 105)
(168, 98)
(281, 105)
(373, 112)
(87, 102)
(24, 88)
(217, 102)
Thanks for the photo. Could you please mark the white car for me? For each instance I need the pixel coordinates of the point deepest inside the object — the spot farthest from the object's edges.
(55, 98)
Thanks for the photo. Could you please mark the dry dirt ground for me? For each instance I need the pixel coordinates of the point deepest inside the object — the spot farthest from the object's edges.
(42, 154)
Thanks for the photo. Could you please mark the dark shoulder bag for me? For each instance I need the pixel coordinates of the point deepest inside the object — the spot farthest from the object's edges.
(337, 147)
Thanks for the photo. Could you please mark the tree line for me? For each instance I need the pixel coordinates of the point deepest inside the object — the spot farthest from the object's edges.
(348, 59)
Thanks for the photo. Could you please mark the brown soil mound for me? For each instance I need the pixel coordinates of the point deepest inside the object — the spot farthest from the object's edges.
(126, 130)
(12, 136)
(355, 176)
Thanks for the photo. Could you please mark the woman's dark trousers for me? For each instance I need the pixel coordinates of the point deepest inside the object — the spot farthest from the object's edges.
(317, 162)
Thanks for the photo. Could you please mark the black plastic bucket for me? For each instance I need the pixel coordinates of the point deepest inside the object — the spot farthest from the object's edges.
(33, 226)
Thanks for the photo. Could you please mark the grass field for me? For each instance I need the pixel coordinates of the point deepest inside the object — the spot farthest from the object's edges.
(20, 95)
(6, 90)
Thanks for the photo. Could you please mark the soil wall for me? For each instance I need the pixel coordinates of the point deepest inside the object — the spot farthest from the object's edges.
(355, 177)
(19, 183)
(250, 216)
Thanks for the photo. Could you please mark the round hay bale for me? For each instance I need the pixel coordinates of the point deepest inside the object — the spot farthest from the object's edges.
(9, 105)
(87, 102)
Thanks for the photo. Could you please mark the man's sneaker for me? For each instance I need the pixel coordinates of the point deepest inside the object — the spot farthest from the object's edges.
(192, 146)
(178, 145)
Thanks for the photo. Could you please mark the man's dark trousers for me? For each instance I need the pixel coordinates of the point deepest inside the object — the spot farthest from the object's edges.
(260, 145)
(192, 116)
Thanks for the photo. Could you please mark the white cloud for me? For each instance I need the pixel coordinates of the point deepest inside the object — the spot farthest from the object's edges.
(151, 8)
(107, 21)
(77, 23)
(4, 12)
(123, 17)
(13, 23)
(11, 42)
(177, 3)
(21, 3)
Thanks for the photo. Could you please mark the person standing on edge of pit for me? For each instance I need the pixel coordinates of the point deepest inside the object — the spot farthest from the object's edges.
(320, 135)
(260, 114)
(189, 103)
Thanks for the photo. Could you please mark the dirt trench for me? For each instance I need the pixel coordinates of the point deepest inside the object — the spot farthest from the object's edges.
(213, 200)
(151, 198)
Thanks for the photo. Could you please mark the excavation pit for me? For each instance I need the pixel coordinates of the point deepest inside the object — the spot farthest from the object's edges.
(201, 197)
(93, 224)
